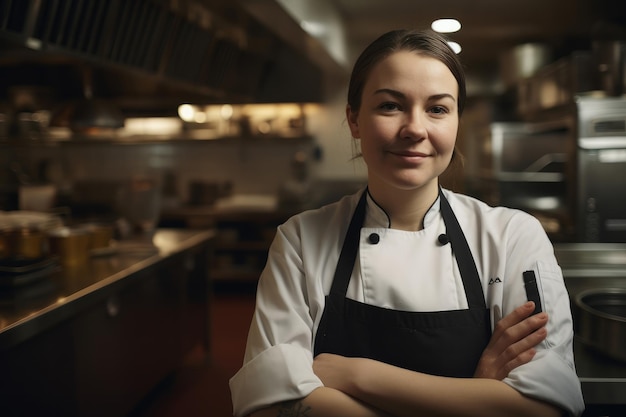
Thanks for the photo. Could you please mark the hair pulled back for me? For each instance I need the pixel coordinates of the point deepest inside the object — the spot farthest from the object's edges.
(424, 42)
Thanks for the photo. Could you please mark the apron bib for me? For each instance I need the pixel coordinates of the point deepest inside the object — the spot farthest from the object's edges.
(446, 343)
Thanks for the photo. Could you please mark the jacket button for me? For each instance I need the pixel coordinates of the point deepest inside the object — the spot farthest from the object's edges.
(373, 238)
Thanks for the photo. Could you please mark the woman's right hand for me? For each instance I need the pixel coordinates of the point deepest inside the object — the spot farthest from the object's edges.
(512, 343)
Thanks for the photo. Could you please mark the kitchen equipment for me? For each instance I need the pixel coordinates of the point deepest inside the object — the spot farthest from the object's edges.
(595, 267)
(601, 167)
(566, 167)
(23, 234)
(556, 84)
(100, 238)
(600, 320)
(528, 166)
(27, 243)
(101, 235)
(71, 245)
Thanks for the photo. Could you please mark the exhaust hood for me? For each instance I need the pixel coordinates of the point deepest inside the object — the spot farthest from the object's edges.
(149, 56)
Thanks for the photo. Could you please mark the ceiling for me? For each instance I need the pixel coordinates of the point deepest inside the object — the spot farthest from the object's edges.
(490, 28)
(282, 62)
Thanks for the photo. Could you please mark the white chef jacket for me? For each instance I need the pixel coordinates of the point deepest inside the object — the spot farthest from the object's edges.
(406, 270)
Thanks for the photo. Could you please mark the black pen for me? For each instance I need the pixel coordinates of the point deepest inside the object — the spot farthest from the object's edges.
(532, 292)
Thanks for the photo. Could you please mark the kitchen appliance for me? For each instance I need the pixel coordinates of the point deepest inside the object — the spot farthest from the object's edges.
(567, 169)
(601, 169)
(530, 166)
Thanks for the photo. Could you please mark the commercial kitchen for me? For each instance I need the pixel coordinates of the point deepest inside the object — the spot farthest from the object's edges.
(150, 148)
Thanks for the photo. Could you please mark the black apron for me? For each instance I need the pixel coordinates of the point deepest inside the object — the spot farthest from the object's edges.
(446, 343)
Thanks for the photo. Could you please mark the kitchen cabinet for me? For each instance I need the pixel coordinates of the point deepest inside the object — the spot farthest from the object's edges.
(116, 339)
(129, 341)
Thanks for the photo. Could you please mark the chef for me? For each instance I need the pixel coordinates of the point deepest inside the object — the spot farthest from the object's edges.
(407, 299)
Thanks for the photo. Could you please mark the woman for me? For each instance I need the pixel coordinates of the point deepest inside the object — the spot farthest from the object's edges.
(405, 299)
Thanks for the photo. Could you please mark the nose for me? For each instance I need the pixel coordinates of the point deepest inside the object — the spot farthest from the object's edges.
(414, 127)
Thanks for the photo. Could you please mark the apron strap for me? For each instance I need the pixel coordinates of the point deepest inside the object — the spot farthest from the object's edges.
(465, 260)
(349, 251)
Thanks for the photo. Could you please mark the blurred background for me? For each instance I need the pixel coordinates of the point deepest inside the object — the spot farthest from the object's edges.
(222, 118)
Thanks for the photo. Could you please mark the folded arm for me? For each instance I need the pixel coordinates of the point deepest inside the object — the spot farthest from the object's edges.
(363, 387)
(322, 402)
(401, 392)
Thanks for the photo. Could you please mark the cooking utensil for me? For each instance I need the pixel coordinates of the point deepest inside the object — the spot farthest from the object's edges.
(600, 320)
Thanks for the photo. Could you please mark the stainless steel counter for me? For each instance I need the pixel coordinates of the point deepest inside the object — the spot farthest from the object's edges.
(587, 266)
(31, 308)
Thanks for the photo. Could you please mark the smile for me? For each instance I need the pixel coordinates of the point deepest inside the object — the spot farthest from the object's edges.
(410, 155)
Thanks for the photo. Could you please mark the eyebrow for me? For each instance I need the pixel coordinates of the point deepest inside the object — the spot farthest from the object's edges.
(398, 94)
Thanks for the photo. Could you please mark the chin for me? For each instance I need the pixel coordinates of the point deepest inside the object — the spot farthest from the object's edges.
(412, 184)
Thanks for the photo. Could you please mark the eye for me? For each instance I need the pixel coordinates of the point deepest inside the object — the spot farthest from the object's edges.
(389, 106)
(439, 110)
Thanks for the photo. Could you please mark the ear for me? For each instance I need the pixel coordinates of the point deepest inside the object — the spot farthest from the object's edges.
(352, 117)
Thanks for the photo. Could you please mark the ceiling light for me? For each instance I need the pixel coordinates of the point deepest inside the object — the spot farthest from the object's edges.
(446, 25)
(455, 47)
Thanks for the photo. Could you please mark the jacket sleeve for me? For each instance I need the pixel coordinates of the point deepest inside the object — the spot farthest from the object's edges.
(278, 360)
(551, 375)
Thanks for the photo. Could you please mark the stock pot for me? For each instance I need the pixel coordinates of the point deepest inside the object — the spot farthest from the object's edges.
(600, 320)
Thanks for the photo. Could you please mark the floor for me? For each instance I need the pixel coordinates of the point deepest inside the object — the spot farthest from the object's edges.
(200, 388)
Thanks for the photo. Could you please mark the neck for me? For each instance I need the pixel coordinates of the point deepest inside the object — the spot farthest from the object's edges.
(405, 208)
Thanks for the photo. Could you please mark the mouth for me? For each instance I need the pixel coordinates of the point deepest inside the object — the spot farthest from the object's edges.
(409, 157)
(409, 154)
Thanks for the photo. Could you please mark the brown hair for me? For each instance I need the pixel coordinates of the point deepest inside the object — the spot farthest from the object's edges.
(425, 42)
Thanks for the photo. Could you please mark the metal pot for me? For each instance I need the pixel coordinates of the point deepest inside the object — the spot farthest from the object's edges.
(23, 234)
(600, 320)
(24, 243)
(71, 245)
(101, 235)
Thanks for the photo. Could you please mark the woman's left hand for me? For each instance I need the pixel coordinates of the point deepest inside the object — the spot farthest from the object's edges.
(512, 343)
